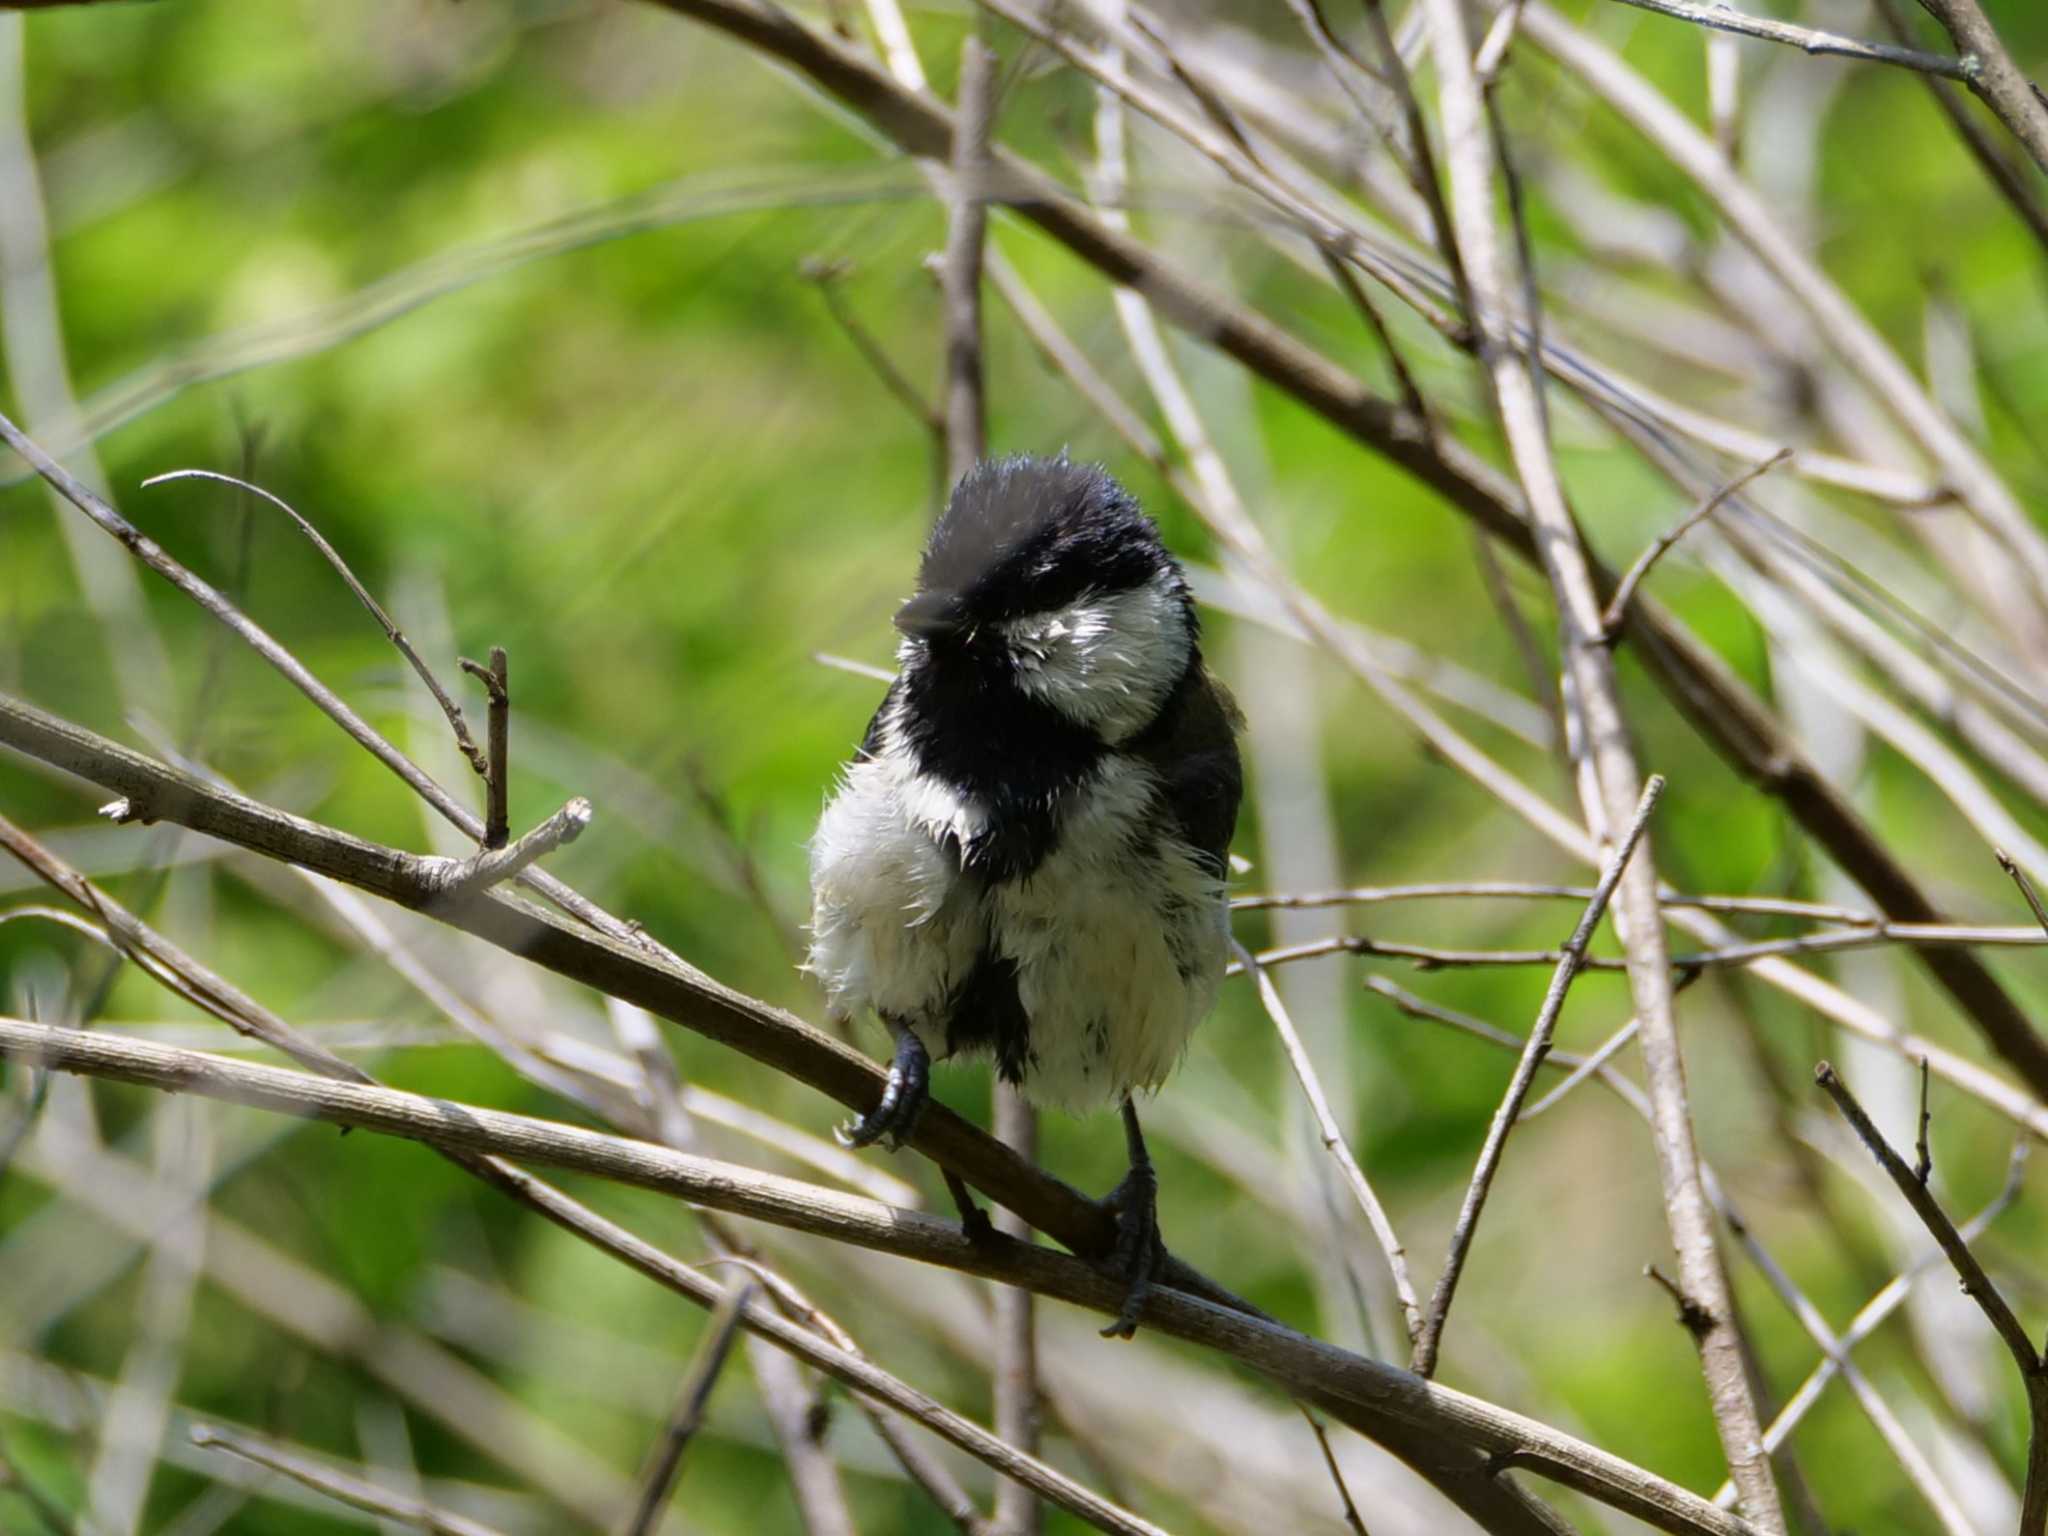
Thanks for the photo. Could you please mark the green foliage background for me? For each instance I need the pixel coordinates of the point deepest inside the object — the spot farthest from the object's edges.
(649, 464)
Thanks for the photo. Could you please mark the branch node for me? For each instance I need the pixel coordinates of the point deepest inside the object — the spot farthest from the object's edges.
(1694, 1318)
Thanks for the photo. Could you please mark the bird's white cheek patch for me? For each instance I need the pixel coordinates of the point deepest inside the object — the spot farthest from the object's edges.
(1107, 661)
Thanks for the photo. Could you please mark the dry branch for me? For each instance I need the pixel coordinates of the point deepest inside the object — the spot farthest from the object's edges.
(356, 1492)
(1726, 19)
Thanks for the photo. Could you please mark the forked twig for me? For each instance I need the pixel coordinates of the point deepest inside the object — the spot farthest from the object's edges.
(1617, 605)
(1977, 1285)
(397, 637)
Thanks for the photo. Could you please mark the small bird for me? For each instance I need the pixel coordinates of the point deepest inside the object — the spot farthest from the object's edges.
(1026, 858)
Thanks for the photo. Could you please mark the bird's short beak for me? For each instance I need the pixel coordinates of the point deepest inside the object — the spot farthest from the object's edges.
(931, 616)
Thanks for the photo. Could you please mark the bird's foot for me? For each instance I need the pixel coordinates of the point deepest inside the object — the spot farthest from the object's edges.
(974, 1221)
(1140, 1251)
(903, 1099)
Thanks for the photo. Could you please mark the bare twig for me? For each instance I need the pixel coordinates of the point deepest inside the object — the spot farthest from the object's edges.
(659, 1477)
(1352, 1518)
(1430, 1338)
(1976, 1284)
(1017, 1412)
(827, 275)
(498, 767)
(1374, 895)
(356, 1492)
(966, 411)
(1332, 1137)
(1875, 1311)
(1909, 1456)
(1617, 605)
(460, 726)
(493, 865)
(2019, 878)
(212, 601)
(1923, 1162)
(1725, 18)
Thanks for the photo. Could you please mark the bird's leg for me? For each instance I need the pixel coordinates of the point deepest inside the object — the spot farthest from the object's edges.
(973, 1219)
(903, 1097)
(1139, 1250)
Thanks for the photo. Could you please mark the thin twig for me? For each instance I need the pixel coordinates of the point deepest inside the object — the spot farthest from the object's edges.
(1724, 18)
(827, 275)
(1617, 605)
(1332, 1137)
(355, 1492)
(1923, 1162)
(659, 1477)
(1351, 1515)
(2019, 878)
(1993, 75)
(464, 878)
(1977, 1285)
(1904, 1450)
(498, 769)
(1874, 1312)
(460, 726)
(1374, 895)
(2012, 182)
(1430, 1338)
(966, 389)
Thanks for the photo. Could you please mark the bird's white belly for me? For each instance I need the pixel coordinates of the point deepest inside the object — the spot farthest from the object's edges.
(1118, 938)
(893, 926)
(1117, 935)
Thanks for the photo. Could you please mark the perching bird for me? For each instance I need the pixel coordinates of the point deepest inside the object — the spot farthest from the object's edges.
(1026, 858)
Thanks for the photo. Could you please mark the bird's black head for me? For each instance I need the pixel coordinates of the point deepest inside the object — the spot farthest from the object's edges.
(1044, 577)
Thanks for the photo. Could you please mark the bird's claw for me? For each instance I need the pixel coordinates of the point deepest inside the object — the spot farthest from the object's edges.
(1140, 1251)
(903, 1099)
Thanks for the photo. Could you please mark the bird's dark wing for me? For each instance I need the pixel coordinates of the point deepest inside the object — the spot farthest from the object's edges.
(1192, 747)
(987, 1014)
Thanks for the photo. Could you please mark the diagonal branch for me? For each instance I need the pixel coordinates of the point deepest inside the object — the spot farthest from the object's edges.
(1533, 1052)
(1977, 1285)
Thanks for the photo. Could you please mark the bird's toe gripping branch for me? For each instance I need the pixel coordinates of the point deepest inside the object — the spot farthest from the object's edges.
(903, 1098)
(1140, 1251)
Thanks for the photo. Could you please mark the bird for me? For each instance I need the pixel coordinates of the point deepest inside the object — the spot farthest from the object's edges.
(1027, 857)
